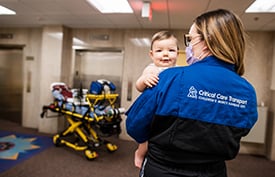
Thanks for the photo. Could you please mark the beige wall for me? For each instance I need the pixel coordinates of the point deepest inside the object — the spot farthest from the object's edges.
(31, 38)
(271, 124)
(258, 63)
(258, 70)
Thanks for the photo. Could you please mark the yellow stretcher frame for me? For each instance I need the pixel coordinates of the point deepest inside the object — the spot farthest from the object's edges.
(84, 128)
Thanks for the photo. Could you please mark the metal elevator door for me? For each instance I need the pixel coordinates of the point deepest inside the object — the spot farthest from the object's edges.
(11, 84)
(94, 65)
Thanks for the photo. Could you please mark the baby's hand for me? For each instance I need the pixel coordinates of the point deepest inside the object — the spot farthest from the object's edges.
(150, 80)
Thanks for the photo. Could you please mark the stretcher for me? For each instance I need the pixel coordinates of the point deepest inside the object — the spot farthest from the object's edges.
(91, 119)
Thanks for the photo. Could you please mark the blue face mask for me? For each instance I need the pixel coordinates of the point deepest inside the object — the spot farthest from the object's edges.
(190, 59)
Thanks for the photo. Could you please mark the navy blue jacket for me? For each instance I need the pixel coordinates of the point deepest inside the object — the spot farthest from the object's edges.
(196, 114)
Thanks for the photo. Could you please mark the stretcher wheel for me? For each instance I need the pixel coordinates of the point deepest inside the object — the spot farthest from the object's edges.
(111, 147)
(56, 140)
(90, 155)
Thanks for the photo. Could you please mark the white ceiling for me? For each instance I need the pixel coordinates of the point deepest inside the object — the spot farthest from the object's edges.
(166, 14)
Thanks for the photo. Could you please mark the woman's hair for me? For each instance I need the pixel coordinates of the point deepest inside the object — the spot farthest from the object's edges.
(224, 35)
(161, 35)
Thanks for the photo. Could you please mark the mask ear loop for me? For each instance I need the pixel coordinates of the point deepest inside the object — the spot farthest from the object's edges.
(208, 51)
(195, 43)
(205, 48)
(191, 45)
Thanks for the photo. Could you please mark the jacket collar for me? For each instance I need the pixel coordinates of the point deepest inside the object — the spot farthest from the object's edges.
(212, 60)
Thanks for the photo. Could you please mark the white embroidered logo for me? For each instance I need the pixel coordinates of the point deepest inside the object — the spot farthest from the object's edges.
(192, 92)
(216, 98)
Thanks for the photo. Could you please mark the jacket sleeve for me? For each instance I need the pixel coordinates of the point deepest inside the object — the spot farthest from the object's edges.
(140, 115)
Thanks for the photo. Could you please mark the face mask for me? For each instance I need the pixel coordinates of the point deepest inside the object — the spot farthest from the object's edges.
(190, 59)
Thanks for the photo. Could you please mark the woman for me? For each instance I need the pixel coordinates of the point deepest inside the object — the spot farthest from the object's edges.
(195, 117)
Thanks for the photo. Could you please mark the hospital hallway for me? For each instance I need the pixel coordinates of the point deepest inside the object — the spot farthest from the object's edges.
(64, 162)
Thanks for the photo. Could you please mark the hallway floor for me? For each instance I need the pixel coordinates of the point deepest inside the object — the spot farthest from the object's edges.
(64, 162)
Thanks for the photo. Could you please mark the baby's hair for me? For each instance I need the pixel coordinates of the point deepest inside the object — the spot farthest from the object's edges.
(161, 35)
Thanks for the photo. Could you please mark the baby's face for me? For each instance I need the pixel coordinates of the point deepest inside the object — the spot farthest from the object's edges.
(164, 52)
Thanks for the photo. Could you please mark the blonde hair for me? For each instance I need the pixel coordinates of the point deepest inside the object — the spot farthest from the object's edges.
(224, 36)
(161, 35)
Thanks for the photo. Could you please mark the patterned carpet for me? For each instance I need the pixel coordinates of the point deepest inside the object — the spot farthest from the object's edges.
(17, 147)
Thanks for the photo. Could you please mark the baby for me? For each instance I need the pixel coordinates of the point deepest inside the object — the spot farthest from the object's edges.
(164, 53)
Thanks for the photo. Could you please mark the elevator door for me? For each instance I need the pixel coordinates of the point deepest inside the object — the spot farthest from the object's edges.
(11, 84)
(94, 65)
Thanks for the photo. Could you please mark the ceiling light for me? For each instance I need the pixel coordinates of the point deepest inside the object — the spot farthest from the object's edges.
(6, 11)
(262, 6)
(146, 10)
(112, 6)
